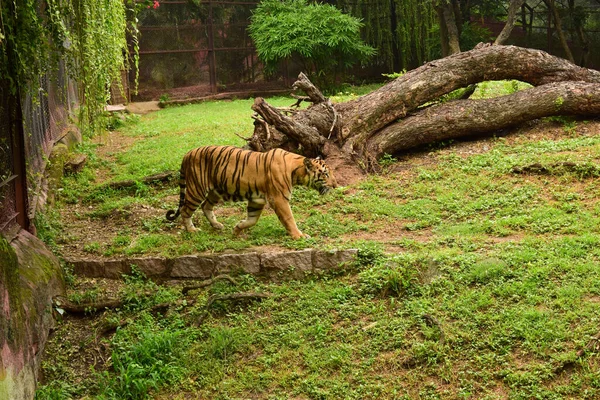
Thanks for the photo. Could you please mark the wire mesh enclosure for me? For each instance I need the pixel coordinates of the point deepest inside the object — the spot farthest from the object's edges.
(191, 49)
(35, 120)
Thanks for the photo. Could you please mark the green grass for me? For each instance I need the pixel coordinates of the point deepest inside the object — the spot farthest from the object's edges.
(472, 281)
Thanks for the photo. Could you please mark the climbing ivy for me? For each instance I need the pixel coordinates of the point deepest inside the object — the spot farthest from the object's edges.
(89, 35)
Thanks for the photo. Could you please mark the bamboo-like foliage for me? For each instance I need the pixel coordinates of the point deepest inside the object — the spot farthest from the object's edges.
(399, 29)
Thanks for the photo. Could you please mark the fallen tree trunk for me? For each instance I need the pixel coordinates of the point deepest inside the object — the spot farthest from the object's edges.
(400, 115)
(462, 118)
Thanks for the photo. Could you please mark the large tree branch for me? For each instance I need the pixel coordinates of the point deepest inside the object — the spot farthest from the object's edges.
(304, 84)
(305, 134)
(374, 111)
(469, 117)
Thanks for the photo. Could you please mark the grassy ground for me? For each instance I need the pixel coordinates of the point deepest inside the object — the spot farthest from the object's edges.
(473, 281)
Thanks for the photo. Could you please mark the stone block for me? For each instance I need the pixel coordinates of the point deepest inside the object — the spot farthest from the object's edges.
(151, 267)
(332, 260)
(88, 268)
(115, 269)
(286, 265)
(193, 267)
(245, 262)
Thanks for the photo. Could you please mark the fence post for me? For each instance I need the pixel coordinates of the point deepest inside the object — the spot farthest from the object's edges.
(15, 122)
(212, 60)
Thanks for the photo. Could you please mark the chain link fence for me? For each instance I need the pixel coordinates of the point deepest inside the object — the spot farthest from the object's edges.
(193, 49)
(35, 121)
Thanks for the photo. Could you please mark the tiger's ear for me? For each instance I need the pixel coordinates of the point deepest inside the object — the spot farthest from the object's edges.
(308, 164)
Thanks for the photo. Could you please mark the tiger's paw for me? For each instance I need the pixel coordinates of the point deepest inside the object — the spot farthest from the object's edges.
(218, 226)
(188, 225)
(300, 235)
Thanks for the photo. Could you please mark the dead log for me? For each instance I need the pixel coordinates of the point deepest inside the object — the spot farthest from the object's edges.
(407, 112)
(86, 308)
(208, 282)
(462, 118)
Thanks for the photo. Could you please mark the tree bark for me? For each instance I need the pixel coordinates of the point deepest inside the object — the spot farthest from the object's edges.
(395, 117)
(449, 34)
(472, 117)
(513, 9)
(582, 37)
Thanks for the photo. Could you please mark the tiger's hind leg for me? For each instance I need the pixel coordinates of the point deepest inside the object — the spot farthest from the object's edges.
(186, 215)
(255, 209)
(190, 205)
(208, 205)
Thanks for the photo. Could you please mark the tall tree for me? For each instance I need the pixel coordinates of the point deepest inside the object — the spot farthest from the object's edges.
(319, 36)
(513, 9)
(449, 31)
(578, 18)
(559, 31)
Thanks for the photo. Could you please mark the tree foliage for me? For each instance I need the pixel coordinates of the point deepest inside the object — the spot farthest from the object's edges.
(89, 35)
(319, 36)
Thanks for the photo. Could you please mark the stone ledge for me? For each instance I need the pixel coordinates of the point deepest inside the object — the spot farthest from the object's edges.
(274, 266)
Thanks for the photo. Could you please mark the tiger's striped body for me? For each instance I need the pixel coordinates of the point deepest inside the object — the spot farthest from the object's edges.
(211, 174)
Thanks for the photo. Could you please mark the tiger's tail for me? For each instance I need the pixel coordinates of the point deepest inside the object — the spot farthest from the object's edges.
(172, 214)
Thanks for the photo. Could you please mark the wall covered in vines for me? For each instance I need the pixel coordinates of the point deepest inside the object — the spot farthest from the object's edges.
(90, 36)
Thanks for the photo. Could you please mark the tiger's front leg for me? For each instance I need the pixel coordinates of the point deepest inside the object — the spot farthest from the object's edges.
(255, 209)
(208, 206)
(282, 208)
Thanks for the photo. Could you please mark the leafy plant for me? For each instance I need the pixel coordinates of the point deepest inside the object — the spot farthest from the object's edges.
(144, 359)
(320, 37)
(89, 35)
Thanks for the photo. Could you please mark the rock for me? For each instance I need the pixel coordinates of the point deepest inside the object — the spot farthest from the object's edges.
(151, 267)
(30, 276)
(115, 269)
(88, 268)
(287, 265)
(332, 260)
(192, 267)
(75, 164)
(244, 262)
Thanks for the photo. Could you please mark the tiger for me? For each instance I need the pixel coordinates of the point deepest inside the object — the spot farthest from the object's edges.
(212, 174)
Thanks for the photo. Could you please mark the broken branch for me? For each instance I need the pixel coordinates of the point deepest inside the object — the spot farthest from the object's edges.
(160, 177)
(209, 282)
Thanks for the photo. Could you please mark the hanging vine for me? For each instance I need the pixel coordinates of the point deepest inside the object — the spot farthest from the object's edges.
(89, 35)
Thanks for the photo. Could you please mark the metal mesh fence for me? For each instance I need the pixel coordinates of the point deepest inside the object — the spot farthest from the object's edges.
(8, 206)
(35, 122)
(190, 49)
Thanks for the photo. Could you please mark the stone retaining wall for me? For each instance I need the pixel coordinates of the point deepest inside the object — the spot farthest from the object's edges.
(30, 275)
(272, 266)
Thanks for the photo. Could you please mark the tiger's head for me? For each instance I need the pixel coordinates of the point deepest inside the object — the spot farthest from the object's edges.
(320, 177)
